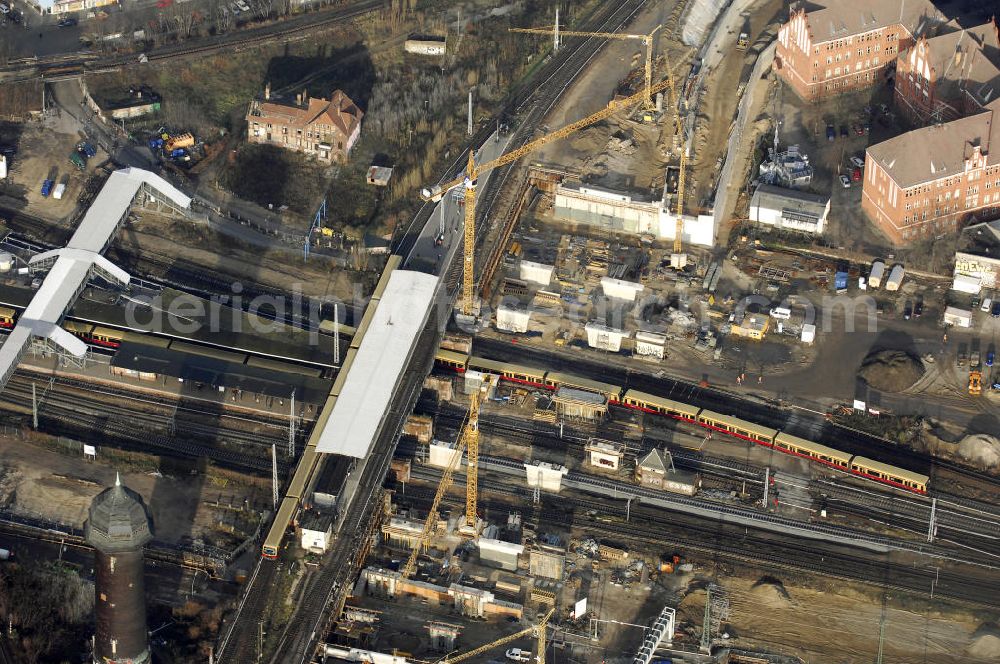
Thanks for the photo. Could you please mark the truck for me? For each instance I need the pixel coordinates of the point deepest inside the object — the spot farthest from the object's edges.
(47, 187)
(58, 192)
(179, 141)
(895, 279)
(743, 41)
(86, 149)
(78, 160)
(840, 282)
(875, 276)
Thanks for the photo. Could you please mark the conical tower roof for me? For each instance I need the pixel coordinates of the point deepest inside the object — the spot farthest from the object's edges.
(118, 520)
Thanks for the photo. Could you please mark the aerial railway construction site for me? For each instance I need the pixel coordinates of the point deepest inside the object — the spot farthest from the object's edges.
(586, 400)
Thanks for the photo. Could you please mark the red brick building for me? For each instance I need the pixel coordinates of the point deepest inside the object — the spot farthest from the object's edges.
(325, 128)
(949, 76)
(936, 179)
(849, 44)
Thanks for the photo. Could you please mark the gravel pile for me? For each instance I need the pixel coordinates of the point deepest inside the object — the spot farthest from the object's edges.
(891, 370)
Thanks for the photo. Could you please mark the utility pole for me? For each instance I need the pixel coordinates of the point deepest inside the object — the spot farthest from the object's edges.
(291, 427)
(34, 407)
(274, 475)
(555, 34)
(767, 483)
(931, 526)
(881, 632)
(469, 128)
(336, 334)
(706, 625)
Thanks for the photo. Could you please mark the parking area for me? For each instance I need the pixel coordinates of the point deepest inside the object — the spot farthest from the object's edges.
(834, 134)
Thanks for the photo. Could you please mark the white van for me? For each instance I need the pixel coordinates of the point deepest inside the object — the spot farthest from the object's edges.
(987, 303)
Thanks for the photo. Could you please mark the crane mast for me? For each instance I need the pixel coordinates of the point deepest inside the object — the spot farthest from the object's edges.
(473, 171)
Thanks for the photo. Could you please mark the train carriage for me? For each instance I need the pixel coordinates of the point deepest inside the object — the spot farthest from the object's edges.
(449, 359)
(737, 427)
(883, 472)
(8, 317)
(106, 336)
(79, 329)
(555, 380)
(806, 448)
(650, 403)
(513, 372)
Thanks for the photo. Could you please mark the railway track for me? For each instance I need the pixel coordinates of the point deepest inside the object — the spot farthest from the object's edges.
(965, 524)
(772, 413)
(668, 531)
(141, 430)
(289, 30)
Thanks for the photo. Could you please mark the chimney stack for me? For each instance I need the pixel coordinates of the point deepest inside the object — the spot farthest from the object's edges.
(298, 99)
(267, 91)
(305, 96)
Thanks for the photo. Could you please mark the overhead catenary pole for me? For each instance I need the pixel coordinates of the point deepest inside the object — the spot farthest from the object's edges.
(555, 33)
(469, 128)
(34, 408)
(291, 427)
(274, 475)
(336, 334)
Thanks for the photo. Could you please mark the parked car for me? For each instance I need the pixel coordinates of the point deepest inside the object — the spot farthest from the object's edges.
(4, 8)
(856, 174)
(975, 301)
(987, 303)
(846, 181)
(87, 149)
(857, 161)
(867, 127)
(995, 311)
(518, 655)
(843, 131)
(859, 130)
(989, 358)
(830, 132)
(918, 308)
(67, 22)
(907, 310)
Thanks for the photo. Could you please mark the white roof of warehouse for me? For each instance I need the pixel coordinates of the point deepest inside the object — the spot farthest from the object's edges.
(379, 364)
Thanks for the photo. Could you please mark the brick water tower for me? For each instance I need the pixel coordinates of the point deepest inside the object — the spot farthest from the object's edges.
(118, 526)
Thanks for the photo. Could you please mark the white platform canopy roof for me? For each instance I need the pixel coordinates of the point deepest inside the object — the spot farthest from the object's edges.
(378, 366)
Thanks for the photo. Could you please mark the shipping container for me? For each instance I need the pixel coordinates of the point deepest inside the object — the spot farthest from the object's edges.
(878, 271)
(895, 279)
(58, 192)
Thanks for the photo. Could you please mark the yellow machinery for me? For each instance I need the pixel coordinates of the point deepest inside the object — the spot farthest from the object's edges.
(975, 382)
(647, 41)
(471, 436)
(473, 171)
(538, 630)
(468, 441)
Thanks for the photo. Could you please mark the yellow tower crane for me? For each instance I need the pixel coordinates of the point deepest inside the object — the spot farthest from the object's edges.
(538, 630)
(468, 441)
(647, 41)
(473, 171)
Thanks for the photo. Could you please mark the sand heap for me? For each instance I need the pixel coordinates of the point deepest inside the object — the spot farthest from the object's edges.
(985, 644)
(891, 370)
(981, 449)
(770, 592)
